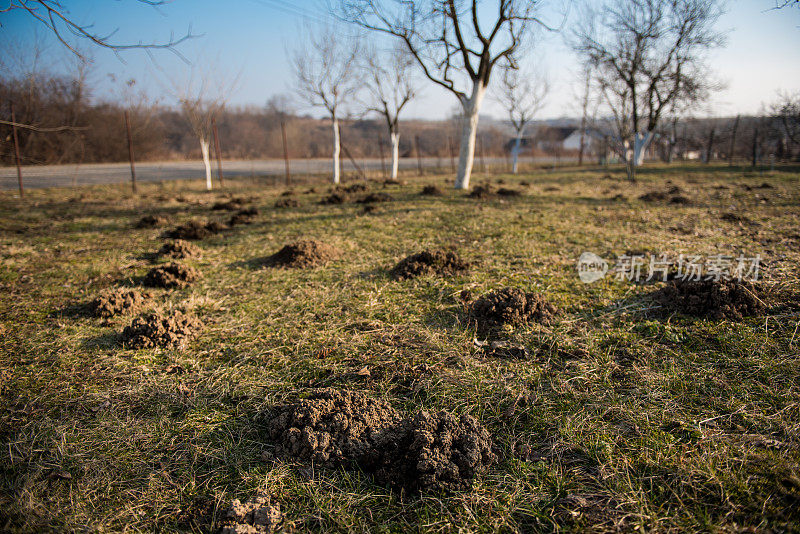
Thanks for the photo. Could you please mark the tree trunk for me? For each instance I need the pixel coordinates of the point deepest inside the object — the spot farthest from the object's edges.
(395, 136)
(466, 154)
(336, 149)
(515, 152)
(204, 146)
(640, 144)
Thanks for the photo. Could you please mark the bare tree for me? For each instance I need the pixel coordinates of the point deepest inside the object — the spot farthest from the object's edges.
(648, 56)
(453, 48)
(55, 16)
(201, 97)
(522, 94)
(390, 87)
(786, 112)
(325, 71)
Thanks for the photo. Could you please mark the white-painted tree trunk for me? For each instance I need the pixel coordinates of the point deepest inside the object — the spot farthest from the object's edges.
(336, 149)
(466, 154)
(204, 146)
(640, 144)
(395, 136)
(515, 152)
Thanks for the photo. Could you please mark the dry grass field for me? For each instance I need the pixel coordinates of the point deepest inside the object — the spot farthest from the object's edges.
(617, 414)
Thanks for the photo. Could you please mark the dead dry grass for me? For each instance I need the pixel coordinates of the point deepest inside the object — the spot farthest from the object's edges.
(621, 418)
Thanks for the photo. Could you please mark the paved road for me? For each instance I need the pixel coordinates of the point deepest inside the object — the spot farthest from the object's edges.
(109, 173)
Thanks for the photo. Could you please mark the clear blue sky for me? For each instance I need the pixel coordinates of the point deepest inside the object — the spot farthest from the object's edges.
(251, 37)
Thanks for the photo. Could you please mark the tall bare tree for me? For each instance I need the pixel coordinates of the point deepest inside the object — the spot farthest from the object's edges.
(389, 83)
(455, 45)
(202, 96)
(325, 73)
(786, 111)
(522, 94)
(648, 56)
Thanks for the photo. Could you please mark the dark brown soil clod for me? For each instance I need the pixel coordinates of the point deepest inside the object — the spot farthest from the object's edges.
(507, 192)
(118, 301)
(481, 191)
(429, 262)
(355, 188)
(431, 190)
(303, 254)
(333, 198)
(715, 299)
(246, 216)
(375, 197)
(287, 203)
(194, 230)
(257, 515)
(511, 306)
(341, 428)
(171, 275)
(231, 205)
(157, 330)
(179, 249)
(151, 221)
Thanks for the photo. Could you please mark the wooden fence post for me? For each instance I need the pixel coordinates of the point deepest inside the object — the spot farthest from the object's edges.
(285, 153)
(130, 149)
(217, 150)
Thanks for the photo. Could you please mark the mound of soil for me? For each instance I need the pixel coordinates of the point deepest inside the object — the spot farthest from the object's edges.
(715, 299)
(481, 191)
(194, 230)
(434, 452)
(256, 516)
(736, 218)
(507, 192)
(428, 262)
(680, 199)
(179, 249)
(511, 306)
(117, 301)
(333, 198)
(151, 221)
(171, 275)
(654, 196)
(303, 254)
(230, 205)
(431, 190)
(287, 203)
(243, 217)
(340, 428)
(157, 330)
(332, 427)
(375, 197)
(355, 188)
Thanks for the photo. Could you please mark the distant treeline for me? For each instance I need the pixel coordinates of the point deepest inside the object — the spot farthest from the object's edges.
(96, 132)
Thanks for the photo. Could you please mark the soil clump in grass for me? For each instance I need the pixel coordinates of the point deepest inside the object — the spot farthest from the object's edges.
(340, 428)
(151, 221)
(230, 205)
(429, 262)
(431, 191)
(194, 230)
(287, 203)
(304, 254)
(179, 249)
(508, 192)
(171, 275)
(246, 216)
(374, 198)
(355, 188)
(119, 301)
(333, 198)
(481, 191)
(714, 299)
(511, 306)
(257, 515)
(158, 330)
